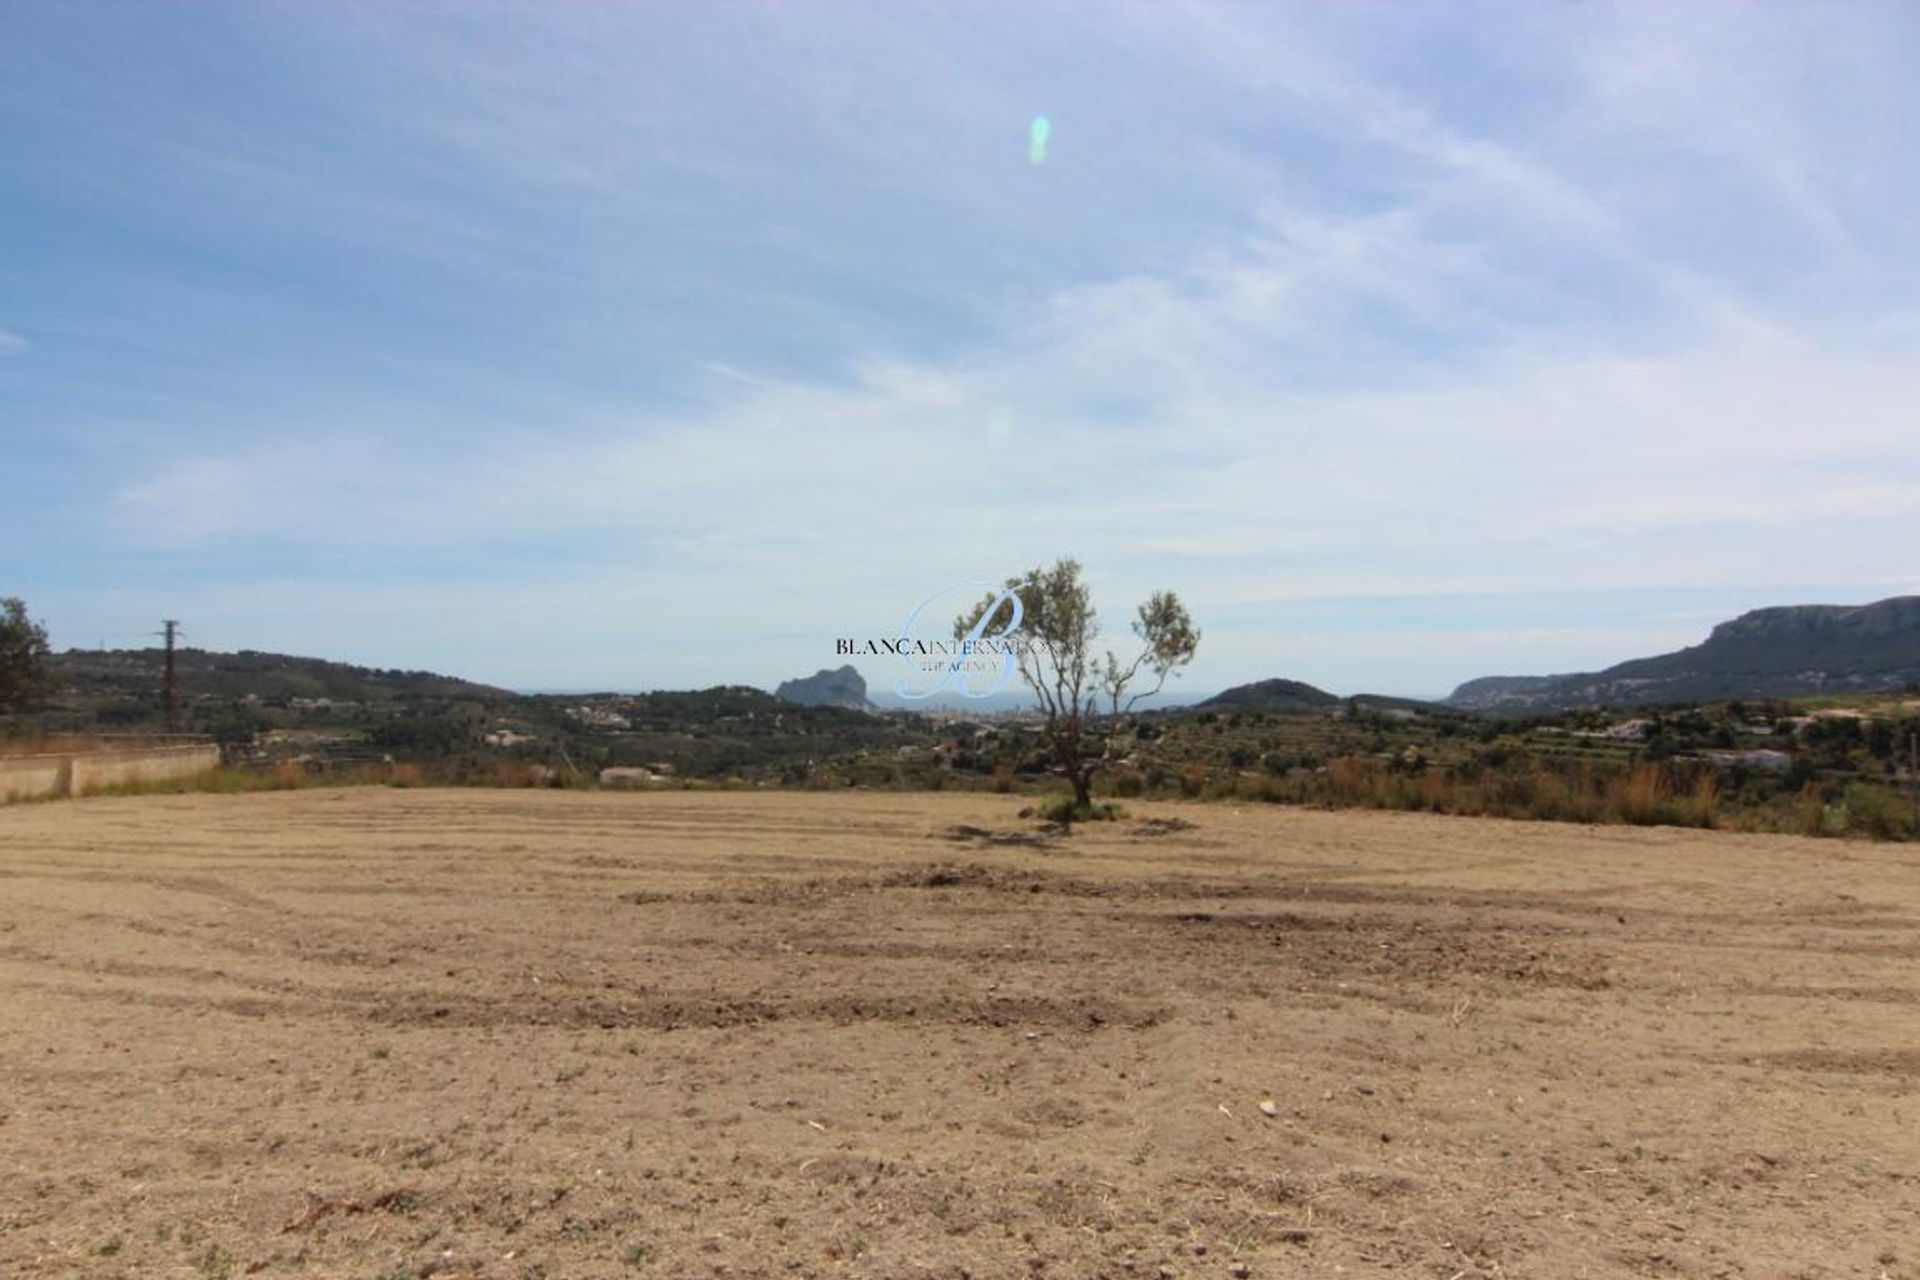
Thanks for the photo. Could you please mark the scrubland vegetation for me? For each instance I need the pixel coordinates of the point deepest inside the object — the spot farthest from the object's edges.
(1802, 768)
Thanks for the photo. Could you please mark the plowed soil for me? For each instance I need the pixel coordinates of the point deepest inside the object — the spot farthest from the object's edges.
(384, 1033)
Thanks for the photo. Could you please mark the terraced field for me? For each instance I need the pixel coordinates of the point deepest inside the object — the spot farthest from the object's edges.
(384, 1033)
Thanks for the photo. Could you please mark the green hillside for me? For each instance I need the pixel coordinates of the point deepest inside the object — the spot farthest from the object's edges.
(273, 678)
(1272, 695)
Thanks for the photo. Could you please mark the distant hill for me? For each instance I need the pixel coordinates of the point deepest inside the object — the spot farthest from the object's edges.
(1500, 691)
(1298, 697)
(1271, 695)
(842, 688)
(682, 709)
(271, 677)
(1783, 652)
(1391, 702)
(1016, 697)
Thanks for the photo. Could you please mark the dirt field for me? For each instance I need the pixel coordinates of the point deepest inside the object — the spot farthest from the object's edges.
(377, 1033)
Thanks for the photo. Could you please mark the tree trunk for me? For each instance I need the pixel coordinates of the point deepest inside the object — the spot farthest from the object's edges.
(1082, 787)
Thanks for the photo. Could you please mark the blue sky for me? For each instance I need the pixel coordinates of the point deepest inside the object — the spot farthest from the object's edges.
(659, 345)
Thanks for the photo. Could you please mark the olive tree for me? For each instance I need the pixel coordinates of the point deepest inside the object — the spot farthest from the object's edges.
(25, 679)
(1055, 632)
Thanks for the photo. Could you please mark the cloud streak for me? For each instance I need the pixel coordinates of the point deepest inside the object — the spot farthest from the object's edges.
(770, 323)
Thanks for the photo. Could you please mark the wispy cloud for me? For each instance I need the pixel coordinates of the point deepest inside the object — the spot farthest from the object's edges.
(826, 507)
(11, 343)
(765, 321)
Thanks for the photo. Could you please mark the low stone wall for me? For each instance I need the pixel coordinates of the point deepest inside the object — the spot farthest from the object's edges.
(30, 777)
(75, 773)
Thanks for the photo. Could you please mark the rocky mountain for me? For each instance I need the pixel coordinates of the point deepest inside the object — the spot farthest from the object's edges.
(1787, 651)
(842, 688)
(1497, 691)
(1271, 695)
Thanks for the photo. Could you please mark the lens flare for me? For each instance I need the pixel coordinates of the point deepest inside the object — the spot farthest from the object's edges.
(1037, 140)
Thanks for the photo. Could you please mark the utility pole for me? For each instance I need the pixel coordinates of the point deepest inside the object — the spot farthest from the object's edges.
(1913, 779)
(173, 683)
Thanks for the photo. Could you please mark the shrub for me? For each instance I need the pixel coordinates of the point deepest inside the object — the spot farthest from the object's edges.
(1062, 809)
(1641, 796)
(1268, 790)
(1223, 786)
(1871, 811)
(1810, 810)
(1700, 807)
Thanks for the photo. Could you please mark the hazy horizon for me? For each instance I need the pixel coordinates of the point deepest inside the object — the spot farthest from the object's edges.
(660, 347)
(885, 679)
